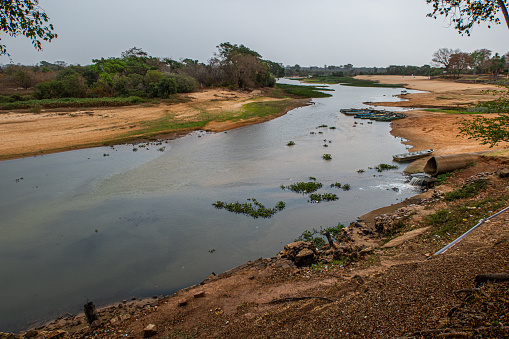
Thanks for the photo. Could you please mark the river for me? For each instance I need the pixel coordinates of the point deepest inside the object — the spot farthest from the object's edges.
(105, 224)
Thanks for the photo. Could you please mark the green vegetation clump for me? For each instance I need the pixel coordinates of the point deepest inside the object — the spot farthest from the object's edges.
(303, 91)
(385, 167)
(442, 178)
(346, 187)
(316, 197)
(348, 81)
(290, 143)
(254, 209)
(304, 187)
(327, 156)
(467, 191)
(336, 184)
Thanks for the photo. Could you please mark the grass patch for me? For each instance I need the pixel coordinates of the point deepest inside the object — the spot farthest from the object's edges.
(467, 191)
(300, 91)
(442, 178)
(455, 220)
(448, 111)
(347, 81)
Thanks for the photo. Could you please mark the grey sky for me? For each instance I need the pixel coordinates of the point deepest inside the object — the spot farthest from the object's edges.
(307, 32)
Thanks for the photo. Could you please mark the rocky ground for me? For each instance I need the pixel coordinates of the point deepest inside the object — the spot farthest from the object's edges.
(379, 279)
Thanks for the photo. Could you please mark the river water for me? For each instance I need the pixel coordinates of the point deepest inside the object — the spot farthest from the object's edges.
(109, 223)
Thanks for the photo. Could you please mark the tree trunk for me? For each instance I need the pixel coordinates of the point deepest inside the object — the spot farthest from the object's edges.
(503, 8)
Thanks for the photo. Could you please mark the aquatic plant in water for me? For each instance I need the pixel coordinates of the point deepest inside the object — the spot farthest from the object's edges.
(254, 209)
(346, 187)
(317, 197)
(290, 143)
(327, 156)
(385, 167)
(304, 187)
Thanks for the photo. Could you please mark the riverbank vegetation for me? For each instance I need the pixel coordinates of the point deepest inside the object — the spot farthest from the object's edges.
(134, 74)
(347, 81)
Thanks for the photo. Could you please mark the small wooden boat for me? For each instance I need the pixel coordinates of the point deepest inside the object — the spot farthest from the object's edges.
(412, 155)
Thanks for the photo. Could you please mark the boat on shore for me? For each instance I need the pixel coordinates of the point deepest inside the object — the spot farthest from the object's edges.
(372, 114)
(412, 155)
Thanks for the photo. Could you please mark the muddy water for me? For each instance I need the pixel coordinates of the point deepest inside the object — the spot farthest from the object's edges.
(106, 224)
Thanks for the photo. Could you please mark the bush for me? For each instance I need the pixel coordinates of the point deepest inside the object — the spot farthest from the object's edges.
(166, 87)
(185, 83)
(70, 86)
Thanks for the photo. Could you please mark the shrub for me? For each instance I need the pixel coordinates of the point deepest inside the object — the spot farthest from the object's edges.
(185, 83)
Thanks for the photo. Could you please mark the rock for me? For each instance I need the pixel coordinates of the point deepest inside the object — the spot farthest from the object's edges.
(58, 334)
(503, 173)
(301, 253)
(8, 336)
(251, 277)
(183, 302)
(199, 294)
(150, 331)
(305, 257)
(31, 333)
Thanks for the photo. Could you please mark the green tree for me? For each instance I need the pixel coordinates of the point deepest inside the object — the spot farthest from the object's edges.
(25, 17)
(464, 14)
(497, 65)
(479, 59)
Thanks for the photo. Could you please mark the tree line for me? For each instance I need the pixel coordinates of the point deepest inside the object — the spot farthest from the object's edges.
(135, 73)
(480, 61)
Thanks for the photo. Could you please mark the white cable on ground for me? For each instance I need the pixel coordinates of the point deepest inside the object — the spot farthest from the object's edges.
(482, 221)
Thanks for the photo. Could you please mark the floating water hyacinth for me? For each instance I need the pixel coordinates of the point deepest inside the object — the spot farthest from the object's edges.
(254, 209)
(304, 187)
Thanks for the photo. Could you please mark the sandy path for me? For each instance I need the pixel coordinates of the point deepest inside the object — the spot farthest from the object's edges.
(27, 134)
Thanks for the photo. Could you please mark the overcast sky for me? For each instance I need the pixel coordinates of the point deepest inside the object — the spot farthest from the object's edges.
(305, 32)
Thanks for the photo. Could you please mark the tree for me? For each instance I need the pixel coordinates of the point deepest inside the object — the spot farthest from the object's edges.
(25, 17)
(479, 59)
(497, 64)
(464, 14)
(459, 62)
(443, 56)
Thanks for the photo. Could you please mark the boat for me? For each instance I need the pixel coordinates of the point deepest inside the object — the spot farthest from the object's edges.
(412, 155)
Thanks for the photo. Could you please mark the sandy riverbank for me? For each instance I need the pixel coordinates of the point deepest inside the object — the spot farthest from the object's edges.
(26, 134)
(439, 131)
